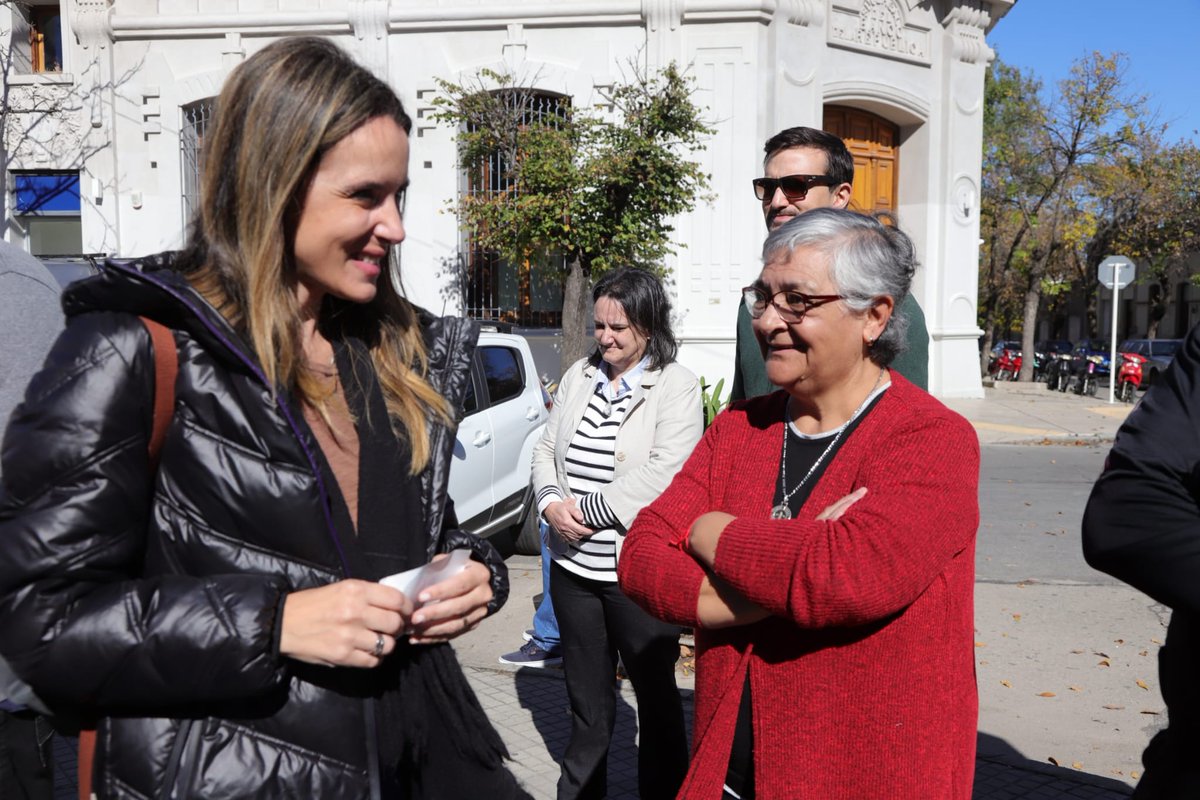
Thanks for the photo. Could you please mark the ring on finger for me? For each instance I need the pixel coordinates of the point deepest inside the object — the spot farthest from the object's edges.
(379, 645)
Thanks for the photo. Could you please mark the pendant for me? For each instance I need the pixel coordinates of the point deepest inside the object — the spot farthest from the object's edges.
(781, 511)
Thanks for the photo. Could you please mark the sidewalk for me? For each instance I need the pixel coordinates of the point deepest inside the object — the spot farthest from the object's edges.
(1029, 413)
(529, 706)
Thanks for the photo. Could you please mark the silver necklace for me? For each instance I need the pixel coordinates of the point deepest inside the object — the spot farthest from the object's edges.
(781, 510)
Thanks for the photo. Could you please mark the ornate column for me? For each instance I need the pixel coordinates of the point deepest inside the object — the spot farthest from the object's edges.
(953, 324)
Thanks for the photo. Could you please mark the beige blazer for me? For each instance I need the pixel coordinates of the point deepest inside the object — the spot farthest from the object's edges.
(663, 424)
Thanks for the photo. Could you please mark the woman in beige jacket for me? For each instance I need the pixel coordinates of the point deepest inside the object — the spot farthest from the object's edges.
(624, 421)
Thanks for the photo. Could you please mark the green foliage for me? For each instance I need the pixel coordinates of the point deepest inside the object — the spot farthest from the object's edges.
(713, 404)
(600, 189)
(1046, 219)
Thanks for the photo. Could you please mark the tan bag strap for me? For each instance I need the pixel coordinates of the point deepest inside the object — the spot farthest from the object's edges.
(166, 369)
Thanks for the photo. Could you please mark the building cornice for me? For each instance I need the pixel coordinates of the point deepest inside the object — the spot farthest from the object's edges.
(462, 17)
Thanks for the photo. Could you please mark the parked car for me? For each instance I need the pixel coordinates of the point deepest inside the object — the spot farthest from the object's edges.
(68, 269)
(1157, 352)
(503, 416)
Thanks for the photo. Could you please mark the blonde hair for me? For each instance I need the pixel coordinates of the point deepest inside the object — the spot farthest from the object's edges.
(278, 114)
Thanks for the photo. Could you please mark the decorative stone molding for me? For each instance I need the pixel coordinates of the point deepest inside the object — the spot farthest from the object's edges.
(234, 52)
(661, 18)
(43, 128)
(904, 108)
(369, 22)
(90, 23)
(424, 111)
(151, 111)
(879, 27)
(807, 13)
(967, 24)
(662, 15)
(514, 48)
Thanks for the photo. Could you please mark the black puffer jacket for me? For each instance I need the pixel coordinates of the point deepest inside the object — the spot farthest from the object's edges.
(156, 598)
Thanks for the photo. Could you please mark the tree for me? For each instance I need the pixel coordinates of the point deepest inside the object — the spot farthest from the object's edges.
(1158, 190)
(1013, 112)
(600, 190)
(1092, 119)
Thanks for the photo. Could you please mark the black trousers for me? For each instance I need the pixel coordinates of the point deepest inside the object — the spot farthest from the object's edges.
(25, 771)
(597, 622)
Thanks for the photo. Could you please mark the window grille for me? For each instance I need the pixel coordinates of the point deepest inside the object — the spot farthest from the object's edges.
(197, 117)
(527, 294)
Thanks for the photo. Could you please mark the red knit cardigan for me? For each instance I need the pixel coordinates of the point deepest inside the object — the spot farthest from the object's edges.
(863, 678)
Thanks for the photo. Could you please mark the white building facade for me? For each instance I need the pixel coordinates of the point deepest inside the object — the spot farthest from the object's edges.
(901, 80)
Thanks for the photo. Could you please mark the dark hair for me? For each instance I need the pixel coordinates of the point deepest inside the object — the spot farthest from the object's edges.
(644, 301)
(839, 164)
(867, 257)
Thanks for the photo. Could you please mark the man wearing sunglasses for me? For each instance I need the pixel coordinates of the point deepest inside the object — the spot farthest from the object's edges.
(805, 169)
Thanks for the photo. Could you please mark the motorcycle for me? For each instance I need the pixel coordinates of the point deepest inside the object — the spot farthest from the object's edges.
(1041, 366)
(1008, 365)
(1129, 377)
(1058, 373)
(1085, 382)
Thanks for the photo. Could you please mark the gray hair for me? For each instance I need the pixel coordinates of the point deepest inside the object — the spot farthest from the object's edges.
(867, 260)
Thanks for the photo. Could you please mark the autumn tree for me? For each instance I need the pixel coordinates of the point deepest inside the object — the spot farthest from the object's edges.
(1157, 192)
(1092, 118)
(1013, 113)
(595, 189)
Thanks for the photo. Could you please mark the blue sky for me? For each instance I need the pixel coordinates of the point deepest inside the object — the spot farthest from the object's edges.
(1046, 36)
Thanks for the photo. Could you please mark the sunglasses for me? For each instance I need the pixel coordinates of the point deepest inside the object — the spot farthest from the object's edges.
(795, 187)
(793, 308)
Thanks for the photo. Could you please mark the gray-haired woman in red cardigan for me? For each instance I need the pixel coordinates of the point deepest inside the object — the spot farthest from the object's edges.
(821, 540)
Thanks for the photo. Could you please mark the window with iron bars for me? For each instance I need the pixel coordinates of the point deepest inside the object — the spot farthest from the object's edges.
(197, 117)
(528, 294)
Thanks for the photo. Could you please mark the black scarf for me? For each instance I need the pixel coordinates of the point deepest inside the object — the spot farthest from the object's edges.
(415, 685)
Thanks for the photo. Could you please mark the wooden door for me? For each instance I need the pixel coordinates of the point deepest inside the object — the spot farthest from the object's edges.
(874, 144)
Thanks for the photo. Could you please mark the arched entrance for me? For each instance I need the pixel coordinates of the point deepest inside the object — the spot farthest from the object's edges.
(874, 143)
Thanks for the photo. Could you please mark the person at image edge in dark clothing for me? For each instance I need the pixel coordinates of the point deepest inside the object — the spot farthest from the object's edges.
(30, 320)
(222, 614)
(1142, 525)
(825, 170)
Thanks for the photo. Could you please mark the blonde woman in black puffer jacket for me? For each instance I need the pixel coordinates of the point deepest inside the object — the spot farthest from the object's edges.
(222, 614)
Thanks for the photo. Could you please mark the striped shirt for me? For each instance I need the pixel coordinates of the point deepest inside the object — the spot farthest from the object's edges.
(590, 464)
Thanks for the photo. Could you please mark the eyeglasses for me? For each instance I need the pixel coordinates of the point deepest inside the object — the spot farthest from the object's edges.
(795, 187)
(793, 308)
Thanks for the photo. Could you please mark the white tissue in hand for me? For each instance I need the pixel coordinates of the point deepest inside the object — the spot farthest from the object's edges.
(414, 581)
